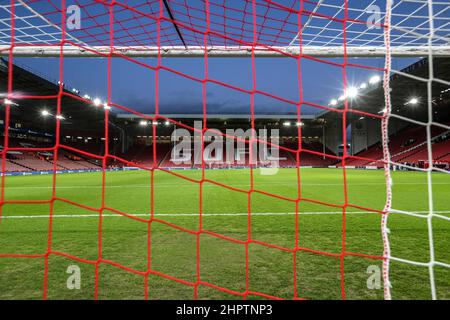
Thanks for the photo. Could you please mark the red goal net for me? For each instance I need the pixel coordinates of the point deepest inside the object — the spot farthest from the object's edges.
(338, 34)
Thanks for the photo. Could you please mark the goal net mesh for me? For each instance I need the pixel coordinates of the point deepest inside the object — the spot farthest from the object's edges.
(126, 29)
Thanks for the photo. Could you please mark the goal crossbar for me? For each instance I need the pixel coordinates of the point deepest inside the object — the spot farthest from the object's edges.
(221, 51)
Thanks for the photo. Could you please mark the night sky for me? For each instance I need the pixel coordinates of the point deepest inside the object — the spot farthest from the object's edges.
(133, 86)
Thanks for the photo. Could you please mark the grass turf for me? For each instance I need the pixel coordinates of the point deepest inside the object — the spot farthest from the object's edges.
(172, 252)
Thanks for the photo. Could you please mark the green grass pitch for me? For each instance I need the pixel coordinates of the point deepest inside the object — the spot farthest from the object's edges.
(24, 230)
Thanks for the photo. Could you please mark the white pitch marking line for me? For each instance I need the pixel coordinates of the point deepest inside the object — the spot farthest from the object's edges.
(157, 185)
(196, 214)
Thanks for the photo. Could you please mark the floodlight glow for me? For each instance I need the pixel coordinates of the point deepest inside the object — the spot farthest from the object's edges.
(105, 105)
(155, 123)
(363, 85)
(286, 124)
(413, 101)
(86, 96)
(8, 102)
(333, 102)
(167, 123)
(60, 117)
(352, 92)
(341, 98)
(97, 102)
(143, 123)
(45, 113)
(300, 124)
(374, 79)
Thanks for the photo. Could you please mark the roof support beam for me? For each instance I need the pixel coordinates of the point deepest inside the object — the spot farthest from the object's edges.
(174, 23)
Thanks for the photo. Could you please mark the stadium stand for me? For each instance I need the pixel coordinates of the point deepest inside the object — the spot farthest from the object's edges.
(82, 131)
(407, 146)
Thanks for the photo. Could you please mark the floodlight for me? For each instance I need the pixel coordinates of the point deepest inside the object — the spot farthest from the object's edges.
(413, 101)
(374, 79)
(97, 102)
(352, 92)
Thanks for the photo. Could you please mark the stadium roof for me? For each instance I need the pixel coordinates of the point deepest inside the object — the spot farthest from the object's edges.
(33, 94)
(407, 84)
(221, 116)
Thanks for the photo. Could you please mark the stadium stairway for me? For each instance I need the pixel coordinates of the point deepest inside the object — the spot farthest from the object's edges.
(439, 151)
(16, 166)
